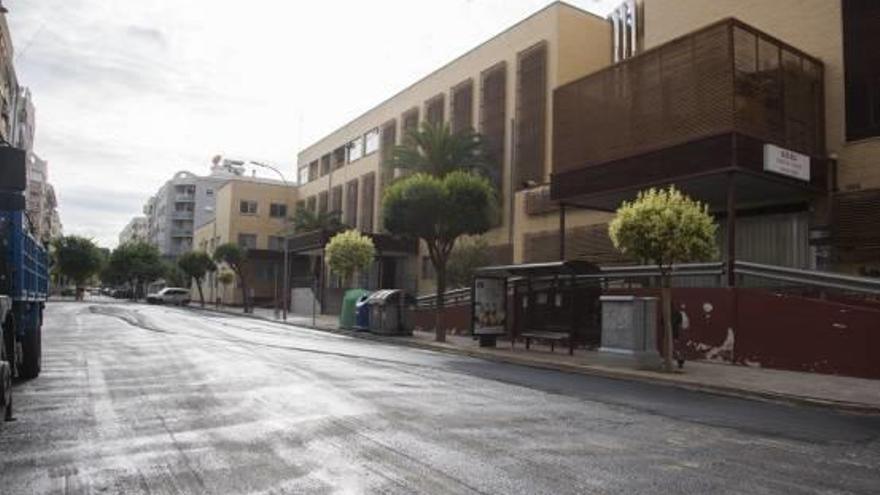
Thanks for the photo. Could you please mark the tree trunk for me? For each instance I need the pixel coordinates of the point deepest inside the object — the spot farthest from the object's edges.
(244, 296)
(201, 295)
(439, 329)
(666, 302)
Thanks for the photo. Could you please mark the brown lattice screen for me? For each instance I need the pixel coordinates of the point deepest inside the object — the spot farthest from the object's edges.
(727, 77)
(492, 115)
(351, 203)
(590, 243)
(531, 114)
(336, 200)
(463, 106)
(434, 109)
(323, 202)
(410, 122)
(325, 164)
(368, 196)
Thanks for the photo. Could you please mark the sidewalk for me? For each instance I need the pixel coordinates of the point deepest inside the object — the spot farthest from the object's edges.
(837, 392)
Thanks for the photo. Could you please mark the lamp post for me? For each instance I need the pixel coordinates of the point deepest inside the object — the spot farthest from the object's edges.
(286, 284)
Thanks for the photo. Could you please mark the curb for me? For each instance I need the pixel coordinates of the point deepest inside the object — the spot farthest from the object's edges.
(849, 407)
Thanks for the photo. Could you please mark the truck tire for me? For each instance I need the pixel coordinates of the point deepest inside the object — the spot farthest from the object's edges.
(31, 352)
(5, 384)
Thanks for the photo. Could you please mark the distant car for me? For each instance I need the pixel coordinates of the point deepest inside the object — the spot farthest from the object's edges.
(170, 295)
(121, 293)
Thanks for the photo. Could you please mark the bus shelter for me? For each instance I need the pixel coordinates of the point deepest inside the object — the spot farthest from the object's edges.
(554, 301)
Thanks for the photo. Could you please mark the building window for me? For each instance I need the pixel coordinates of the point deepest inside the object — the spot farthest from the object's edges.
(209, 192)
(371, 141)
(276, 243)
(531, 115)
(462, 106)
(247, 207)
(313, 170)
(303, 175)
(247, 241)
(861, 30)
(311, 204)
(368, 194)
(277, 210)
(493, 117)
(326, 160)
(355, 149)
(351, 203)
(409, 123)
(627, 26)
(323, 202)
(338, 157)
(434, 110)
(336, 200)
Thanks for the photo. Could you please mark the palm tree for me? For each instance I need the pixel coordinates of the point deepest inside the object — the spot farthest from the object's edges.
(305, 220)
(435, 150)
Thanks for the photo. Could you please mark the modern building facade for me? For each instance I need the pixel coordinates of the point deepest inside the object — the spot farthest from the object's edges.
(137, 230)
(768, 111)
(253, 213)
(503, 89)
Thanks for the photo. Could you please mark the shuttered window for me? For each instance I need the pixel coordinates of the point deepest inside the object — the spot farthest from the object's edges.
(336, 200)
(351, 203)
(410, 122)
(531, 114)
(493, 102)
(368, 195)
(323, 202)
(434, 110)
(325, 164)
(861, 39)
(463, 106)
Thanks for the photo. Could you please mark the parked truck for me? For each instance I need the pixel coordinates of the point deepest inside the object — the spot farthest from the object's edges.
(24, 281)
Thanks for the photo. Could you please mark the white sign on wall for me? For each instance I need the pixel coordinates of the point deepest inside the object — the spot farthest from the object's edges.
(786, 162)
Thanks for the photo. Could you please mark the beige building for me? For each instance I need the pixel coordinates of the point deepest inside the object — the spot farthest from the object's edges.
(503, 89)
(252, 213)
(581, 112)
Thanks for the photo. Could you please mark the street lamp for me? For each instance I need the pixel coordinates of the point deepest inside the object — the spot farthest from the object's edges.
(286, 284)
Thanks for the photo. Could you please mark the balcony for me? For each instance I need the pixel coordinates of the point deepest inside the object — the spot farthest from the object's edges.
(178, 232)
(706, 102)
(185, 197)
(182, 215)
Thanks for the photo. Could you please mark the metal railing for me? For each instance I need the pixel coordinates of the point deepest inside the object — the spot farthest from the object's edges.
(701, 275)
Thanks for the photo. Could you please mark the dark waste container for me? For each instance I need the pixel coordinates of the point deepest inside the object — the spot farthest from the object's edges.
(362, 313)
(389, 312)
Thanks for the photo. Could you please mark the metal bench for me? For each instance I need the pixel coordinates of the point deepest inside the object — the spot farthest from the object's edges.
(551, 337)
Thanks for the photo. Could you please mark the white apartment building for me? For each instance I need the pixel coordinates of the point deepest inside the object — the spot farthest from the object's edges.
(137, 230)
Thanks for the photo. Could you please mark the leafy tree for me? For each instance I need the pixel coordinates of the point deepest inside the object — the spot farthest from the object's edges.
(438, 211)
(664, 227)
(235, 257)
(135, 264)
(435, 150)
(349, 252)
(305, 220)
(174, 275)
(77, 258)
(465, 258)
(195, 264)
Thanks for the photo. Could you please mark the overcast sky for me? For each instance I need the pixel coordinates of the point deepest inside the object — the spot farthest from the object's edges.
(129, 92)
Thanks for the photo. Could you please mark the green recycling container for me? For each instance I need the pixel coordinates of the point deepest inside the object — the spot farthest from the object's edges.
(347, 315)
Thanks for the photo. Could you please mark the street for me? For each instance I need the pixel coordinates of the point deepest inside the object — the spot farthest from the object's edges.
(147, 399)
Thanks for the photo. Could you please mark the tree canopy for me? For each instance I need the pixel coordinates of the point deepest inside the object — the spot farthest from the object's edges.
(467, 255)
(664, 227)
(435, 150)
(77, 258)
(349, 252)
(305, 220)
(439, 211)
(195, 264)
(135, 264)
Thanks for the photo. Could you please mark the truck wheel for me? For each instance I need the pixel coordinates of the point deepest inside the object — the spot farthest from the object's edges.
(5, 384)
(31, 351)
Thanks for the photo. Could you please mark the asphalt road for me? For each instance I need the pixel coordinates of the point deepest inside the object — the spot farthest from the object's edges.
(139, 399)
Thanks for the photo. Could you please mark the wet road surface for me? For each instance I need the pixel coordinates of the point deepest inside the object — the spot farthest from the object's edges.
(142, 399)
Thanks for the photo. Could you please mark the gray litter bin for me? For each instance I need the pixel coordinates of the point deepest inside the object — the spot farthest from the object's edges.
(389, 312)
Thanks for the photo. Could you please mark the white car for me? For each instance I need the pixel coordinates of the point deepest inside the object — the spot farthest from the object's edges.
(170, 295)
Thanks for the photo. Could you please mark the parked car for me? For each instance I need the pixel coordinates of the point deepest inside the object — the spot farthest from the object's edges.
(170, 295)
(121, 294)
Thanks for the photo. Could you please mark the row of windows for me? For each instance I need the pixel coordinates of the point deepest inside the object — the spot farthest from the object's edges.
(359, 205)
(249, 241)
(531, 116)
(248, 207)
